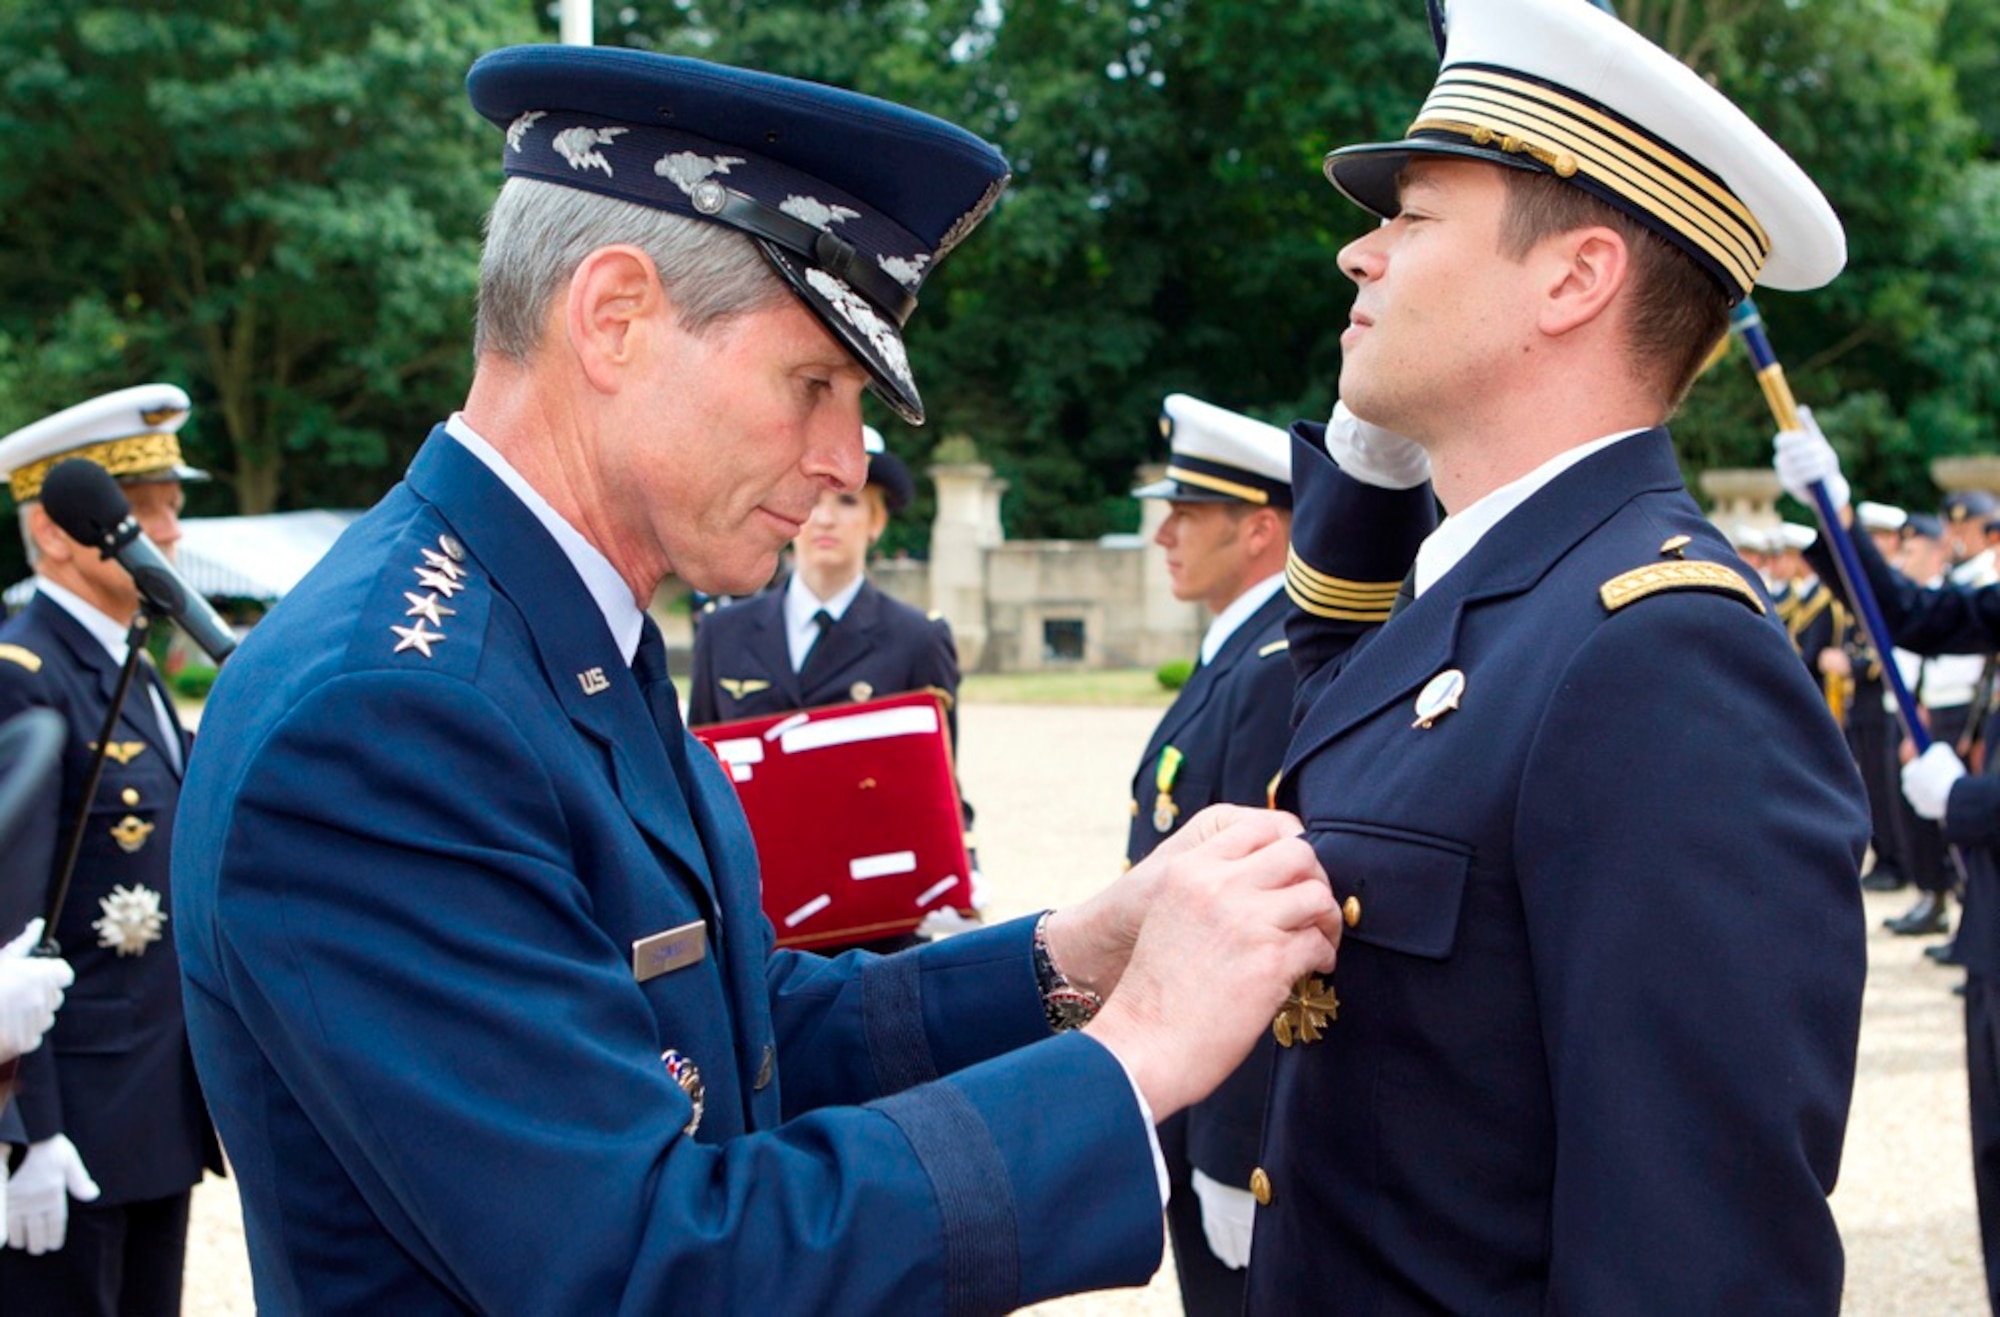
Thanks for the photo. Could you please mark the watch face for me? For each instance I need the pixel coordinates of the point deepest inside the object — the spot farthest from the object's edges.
(1070, 1008)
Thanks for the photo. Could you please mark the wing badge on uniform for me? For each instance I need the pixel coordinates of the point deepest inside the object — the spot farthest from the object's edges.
(738, 687)
(122, 751)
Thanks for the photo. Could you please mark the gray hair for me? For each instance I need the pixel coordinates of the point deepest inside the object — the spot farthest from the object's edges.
(539, 233)
(28, 536)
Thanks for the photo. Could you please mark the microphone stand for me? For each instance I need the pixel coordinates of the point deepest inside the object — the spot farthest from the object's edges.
(135, 646)
(135, 643)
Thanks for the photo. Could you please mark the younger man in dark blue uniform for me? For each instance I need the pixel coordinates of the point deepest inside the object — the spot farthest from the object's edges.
(110, 1102)
(1590, 1045)
(1229, 485)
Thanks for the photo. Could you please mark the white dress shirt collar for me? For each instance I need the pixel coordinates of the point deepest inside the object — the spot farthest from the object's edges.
(801, 604)
(606, 586)
(108, 631)
(1236, 614)
(1459, 533)
(112, 634)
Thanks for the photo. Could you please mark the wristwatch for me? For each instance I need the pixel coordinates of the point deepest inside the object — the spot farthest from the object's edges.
(1066, 1005)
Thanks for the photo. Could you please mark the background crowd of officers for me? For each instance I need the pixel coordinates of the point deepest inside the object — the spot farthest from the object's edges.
(1955, 693)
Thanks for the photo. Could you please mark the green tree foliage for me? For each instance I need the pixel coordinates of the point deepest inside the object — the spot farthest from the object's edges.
(276, 205)
(1169, 229)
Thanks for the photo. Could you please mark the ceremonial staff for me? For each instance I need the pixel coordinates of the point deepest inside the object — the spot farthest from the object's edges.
(1749, 326)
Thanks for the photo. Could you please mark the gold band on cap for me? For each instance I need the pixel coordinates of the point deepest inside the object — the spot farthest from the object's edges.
(1524, 116)
(1248, 493)
(1335, 597)
(134, 455)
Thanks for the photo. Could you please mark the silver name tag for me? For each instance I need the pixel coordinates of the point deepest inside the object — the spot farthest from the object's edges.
(676, 948)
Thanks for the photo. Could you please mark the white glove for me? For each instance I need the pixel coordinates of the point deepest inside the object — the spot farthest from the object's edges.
(1927, 780)
(1228, 1219)
(1803, 456)
(30, 990)
(1372, 455)
(38, 1199)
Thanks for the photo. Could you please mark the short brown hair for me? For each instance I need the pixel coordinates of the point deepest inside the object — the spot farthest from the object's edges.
(1679, 313)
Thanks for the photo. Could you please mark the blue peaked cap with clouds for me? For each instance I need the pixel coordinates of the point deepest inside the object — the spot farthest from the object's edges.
(853, 200)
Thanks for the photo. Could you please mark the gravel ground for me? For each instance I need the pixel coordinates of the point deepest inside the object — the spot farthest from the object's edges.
(1050, 785)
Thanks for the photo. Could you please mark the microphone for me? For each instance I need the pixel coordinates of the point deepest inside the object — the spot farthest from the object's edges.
(82, 498)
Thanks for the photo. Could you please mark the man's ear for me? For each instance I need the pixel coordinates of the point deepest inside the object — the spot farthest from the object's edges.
(55, 545)
(614, 301)
(1589, 268)
(1263, 527)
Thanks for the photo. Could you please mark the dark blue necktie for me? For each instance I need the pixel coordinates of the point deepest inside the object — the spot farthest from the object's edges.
(649, 668)
(824, 621)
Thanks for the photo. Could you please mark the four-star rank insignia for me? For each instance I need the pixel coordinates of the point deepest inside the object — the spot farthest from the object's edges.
(441, 576)
(1303, 1017)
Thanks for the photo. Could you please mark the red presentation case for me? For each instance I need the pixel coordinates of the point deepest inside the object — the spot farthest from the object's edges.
(855, 812)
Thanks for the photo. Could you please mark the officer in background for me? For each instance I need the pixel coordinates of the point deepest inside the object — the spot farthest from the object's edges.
(1966, 513)
(485, 1006)
(1943, 686)
(1941, 619)
(111, 1107)
(827, 635)
(1872, 732)
(1229, 487)
(1590, 1044)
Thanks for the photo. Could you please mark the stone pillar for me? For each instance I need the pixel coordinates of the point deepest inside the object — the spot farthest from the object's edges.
(1742, 496)
(1172, 629)
(966, 528)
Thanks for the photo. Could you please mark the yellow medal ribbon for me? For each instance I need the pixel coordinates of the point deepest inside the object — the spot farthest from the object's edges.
(1164, 808)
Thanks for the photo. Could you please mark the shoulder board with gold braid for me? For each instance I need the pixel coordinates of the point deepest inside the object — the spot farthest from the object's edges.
(27, 658)
(1660, 577)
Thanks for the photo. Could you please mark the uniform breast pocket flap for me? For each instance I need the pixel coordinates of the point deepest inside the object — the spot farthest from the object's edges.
(1402, 891)
(97, 1025)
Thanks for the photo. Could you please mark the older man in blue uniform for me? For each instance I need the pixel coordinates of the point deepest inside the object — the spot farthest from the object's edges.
(477, 979)
(1591, 1042)
(1228, 484)
(117, 1132)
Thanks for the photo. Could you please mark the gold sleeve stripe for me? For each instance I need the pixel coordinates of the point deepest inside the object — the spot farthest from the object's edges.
(1318, 607)
(27, 658)
(1248, 493)
(1657, 578)
(1336, 590)
(1321, 579)
(1275, 647)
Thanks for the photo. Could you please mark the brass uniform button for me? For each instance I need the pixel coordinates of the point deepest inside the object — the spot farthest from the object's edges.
(1260, 1187)
(1350, 910)
(130, 795)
